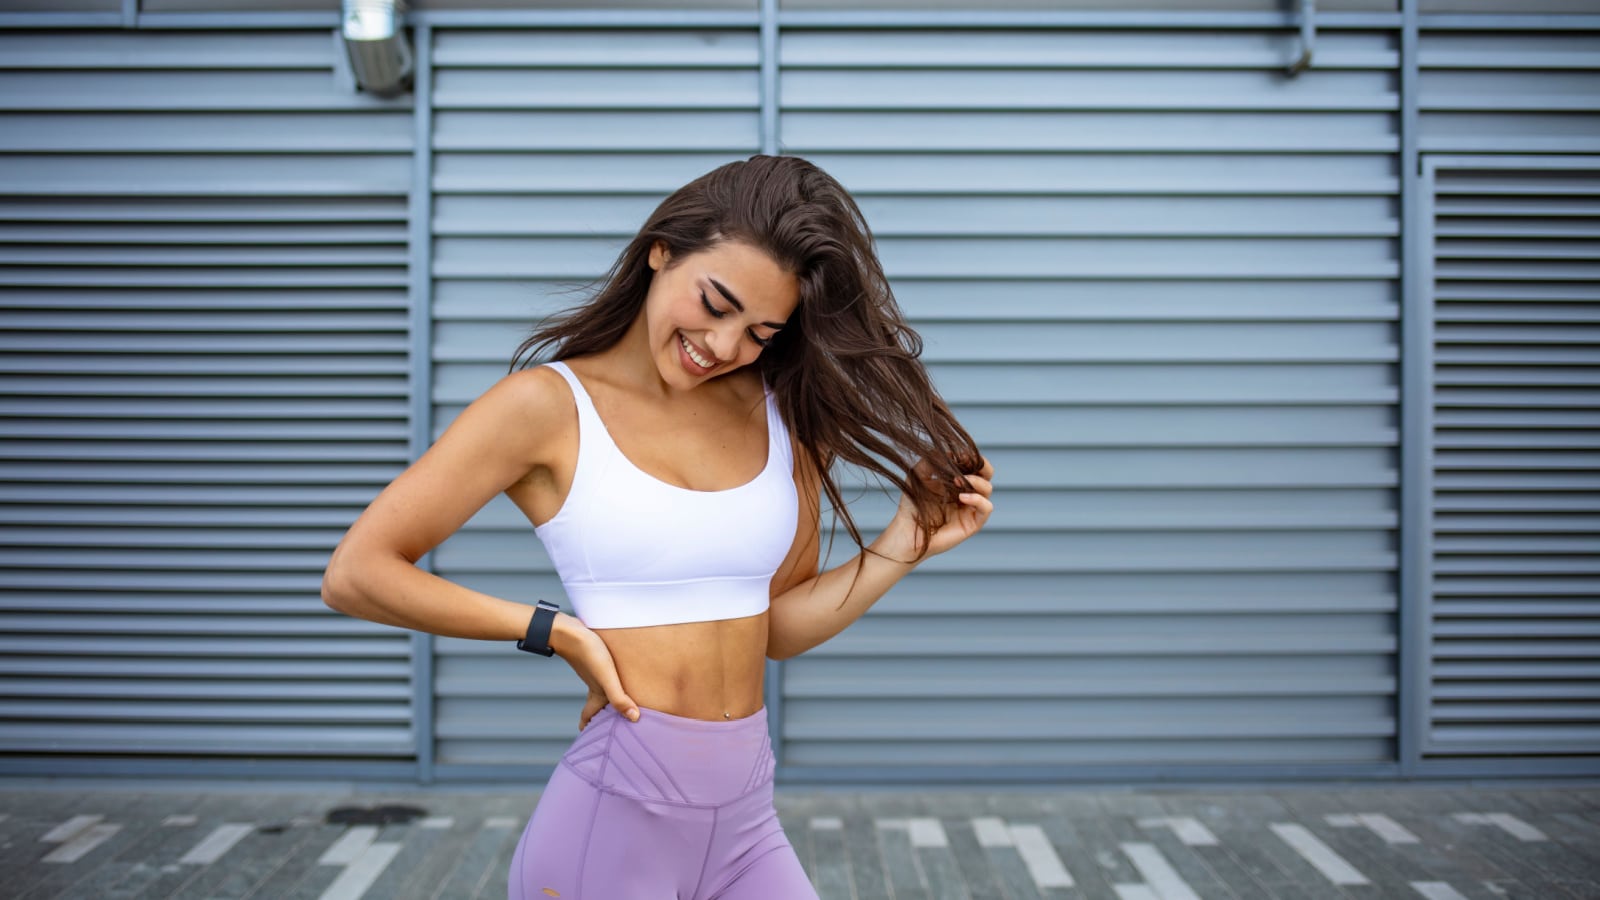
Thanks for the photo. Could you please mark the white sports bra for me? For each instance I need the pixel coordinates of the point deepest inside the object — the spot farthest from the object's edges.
(633, 550)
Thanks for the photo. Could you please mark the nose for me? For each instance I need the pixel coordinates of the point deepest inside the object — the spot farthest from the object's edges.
(723, 343)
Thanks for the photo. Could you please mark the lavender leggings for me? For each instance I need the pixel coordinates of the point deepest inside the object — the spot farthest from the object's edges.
(665, 808)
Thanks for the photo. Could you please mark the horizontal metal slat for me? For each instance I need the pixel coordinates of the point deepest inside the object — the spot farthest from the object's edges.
(979, 684)
(868, 48)
(98, 645)
(216, 89)
(202, 451)
(1527, 670)
(242, 711)
(1508, 649)
(1445, 629)
(617, 130)
(295, 323)
(1454, 524)
(235, 738)
(151, 49)
(161, 558)
(170, 515)
(848, 644)
(153, 255)
(459, 48)
(206, 175)
(311, 499)
(1530, 565)
(1323, 132)
(164, 342)
(171, 299)
(160, 694)
(1457, 502)
(1518, 607)
(315, 239)
(216, 132)
(1549, 585)
(658, 90)
(1532, 398)
(286, 278)
(1554, 540)
(1027, 89)
(195, 671)
(1512, 461)
(1522, 710)
(228, 474)
(243, 210)
(1518, 376)
(240, 366)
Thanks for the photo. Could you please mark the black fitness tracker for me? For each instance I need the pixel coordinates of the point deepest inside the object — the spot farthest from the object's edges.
(537, 640)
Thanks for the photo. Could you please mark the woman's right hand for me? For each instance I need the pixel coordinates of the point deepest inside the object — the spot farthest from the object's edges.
(591, 659)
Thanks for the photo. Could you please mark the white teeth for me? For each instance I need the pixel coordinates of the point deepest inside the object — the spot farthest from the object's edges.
(688, 348)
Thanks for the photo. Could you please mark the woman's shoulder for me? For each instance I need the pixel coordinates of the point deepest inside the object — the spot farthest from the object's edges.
(538, 398)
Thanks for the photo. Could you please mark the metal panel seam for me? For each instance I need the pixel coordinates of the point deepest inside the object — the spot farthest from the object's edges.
(420, 387)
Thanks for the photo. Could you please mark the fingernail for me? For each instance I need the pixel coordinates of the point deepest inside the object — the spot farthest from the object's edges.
(633, 714)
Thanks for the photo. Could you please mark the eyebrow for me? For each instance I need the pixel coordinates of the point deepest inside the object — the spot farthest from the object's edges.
(723, 290)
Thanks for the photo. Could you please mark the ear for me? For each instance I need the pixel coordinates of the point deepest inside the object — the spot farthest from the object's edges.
(659, 255)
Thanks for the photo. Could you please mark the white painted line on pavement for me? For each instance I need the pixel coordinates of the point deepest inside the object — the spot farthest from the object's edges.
(1391, 831)
(349, 846)
(1187, 828)
(171, 821)
(66, 830)
(219, 841)
(1437, 890)
(1518, 828)
(1342, 820)
(1040, 858)
(991, 832)
(1318, 854)
(1158, 873)
(927, 833)
(437, 822)
(353, 882)
(1135, 892)
(827, 823)
(500, 822)
(82, 843)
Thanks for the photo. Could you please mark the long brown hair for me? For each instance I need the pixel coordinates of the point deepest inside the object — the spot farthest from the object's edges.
(845, 369)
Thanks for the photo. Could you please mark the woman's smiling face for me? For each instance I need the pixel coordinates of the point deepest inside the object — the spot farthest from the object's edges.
(711, 312)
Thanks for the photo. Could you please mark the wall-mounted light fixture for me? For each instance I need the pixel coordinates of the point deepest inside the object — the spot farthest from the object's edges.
(375, 42)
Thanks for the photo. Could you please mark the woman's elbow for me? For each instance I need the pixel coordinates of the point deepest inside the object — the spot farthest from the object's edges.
(339, 593)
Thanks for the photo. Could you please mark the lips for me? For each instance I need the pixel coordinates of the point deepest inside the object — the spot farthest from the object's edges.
(705, 364)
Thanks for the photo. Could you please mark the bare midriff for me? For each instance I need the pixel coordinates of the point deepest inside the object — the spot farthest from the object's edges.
(698, 670)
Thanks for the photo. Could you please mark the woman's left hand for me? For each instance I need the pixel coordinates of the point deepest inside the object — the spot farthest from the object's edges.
(964, 517)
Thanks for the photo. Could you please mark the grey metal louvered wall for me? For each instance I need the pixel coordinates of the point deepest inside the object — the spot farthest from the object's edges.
(1159, 285)
(203, 262)
(1515, 613)
(1159, 281)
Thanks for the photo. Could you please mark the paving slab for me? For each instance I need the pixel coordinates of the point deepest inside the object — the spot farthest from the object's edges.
(271, 842)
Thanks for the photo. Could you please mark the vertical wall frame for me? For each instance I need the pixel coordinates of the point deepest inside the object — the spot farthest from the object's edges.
(421, 298)
(1416, 362)
(772, 688)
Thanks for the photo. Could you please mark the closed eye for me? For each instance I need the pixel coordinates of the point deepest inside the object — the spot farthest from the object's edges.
(715, 313)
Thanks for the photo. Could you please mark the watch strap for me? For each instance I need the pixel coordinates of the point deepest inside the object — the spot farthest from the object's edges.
(537, 640)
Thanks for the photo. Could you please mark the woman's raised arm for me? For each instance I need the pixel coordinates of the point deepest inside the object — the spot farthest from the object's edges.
(808, 608)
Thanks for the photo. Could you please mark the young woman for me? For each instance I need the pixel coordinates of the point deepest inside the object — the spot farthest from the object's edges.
(673, 463)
